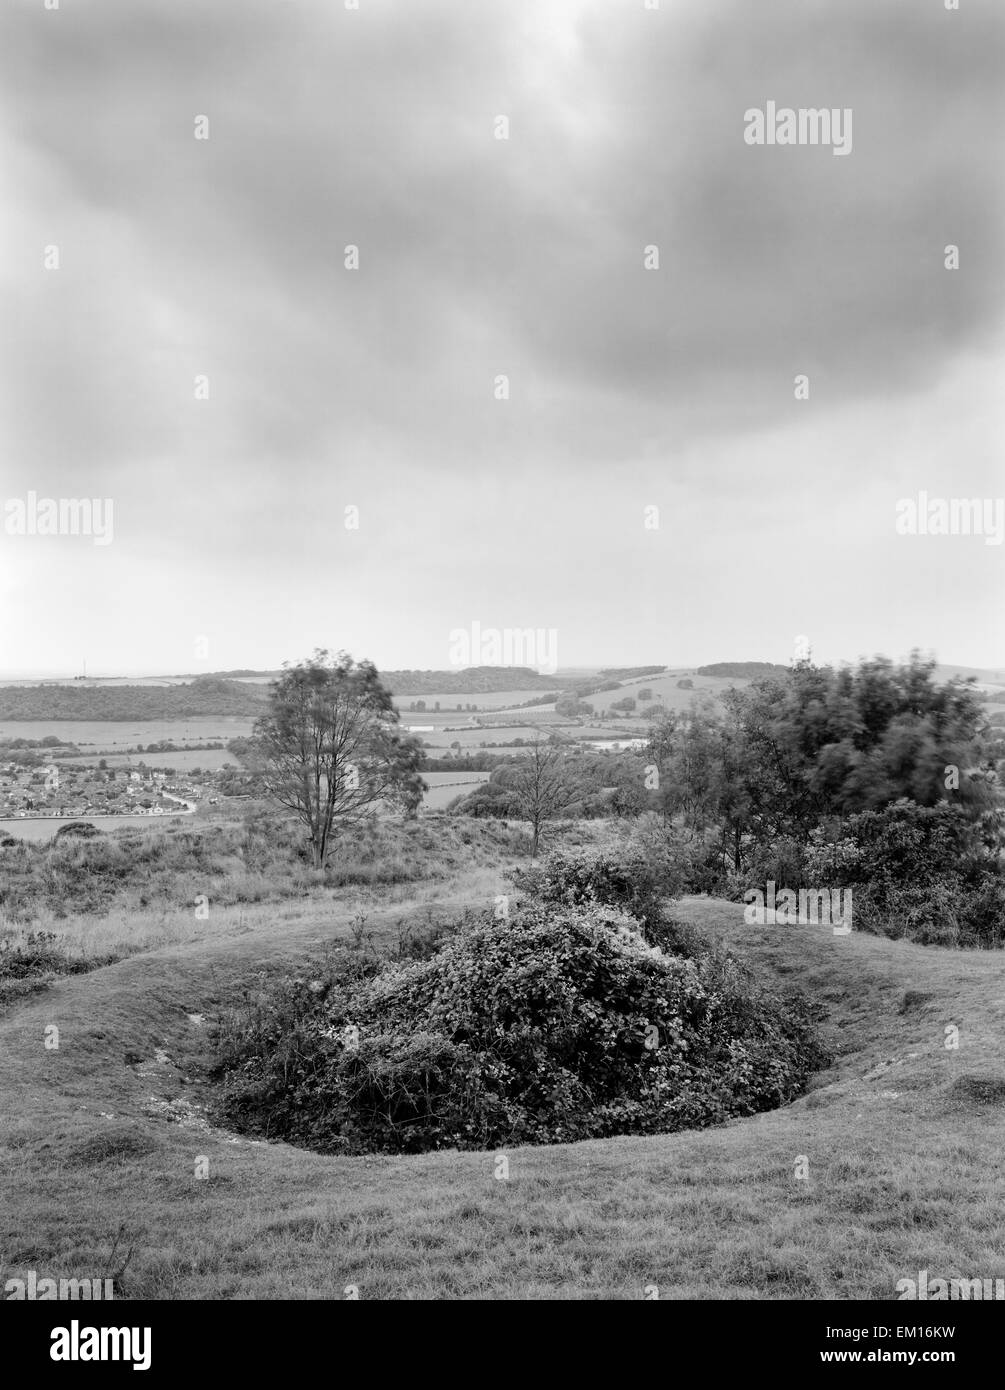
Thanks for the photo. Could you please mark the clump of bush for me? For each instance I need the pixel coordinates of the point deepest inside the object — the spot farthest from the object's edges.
(29, 960)
(691, 860)
(925, 873)
(81, 829)
(631, 877)
(558, 1023)
(35, 953)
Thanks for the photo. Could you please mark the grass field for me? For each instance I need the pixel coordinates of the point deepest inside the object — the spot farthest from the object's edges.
(100, 1140)
(444, 786)
(483, 700)
(110, 735)
(47, 827)
(665, 690)
(441, 742)
(183, 760)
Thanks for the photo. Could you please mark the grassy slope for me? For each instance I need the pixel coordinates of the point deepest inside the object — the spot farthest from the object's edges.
(665, 691)
(902, 1135)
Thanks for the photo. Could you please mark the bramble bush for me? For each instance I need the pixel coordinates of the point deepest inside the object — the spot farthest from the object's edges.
(29, 960)
(634, 878)
(561, 1022)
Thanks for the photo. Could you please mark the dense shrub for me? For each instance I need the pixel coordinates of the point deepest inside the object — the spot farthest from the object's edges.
(34, 955)
(82, 829)
(600, 785)
(928, 915)
(691, 861)
(559, 1023)
(781, 861)
(920, 872)
(635, 879)
(625, 878)
(902, 844)
(953, 912)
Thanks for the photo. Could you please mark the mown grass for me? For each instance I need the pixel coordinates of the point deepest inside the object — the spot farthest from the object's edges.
(100, 1140)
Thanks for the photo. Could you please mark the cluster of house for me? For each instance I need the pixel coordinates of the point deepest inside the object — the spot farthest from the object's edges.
(61, 790)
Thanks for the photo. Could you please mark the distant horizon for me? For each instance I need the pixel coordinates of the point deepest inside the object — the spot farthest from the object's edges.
(562, 671)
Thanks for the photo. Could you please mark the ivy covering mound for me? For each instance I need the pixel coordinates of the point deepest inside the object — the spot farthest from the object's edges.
(560, 1023)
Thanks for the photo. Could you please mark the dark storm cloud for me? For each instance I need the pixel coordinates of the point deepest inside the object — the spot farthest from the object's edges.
(478, 256)
(374, 127)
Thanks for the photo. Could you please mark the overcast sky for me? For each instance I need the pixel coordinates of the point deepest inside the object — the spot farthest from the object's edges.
(375, 388)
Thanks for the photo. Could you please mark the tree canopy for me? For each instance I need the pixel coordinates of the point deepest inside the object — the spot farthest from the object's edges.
(330, 747)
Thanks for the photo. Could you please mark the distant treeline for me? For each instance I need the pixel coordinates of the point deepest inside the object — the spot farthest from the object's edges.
(227, 675)
(746, 670)
(626, 673)
(548, 698)
(205, 696)
(33, 752)
(474, 680)
(50, 741)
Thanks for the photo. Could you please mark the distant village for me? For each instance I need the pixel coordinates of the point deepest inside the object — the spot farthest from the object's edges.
(76, 790)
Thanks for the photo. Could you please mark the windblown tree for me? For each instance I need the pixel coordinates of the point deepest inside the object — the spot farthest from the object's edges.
(814, 743)
(823, 742)
(544, 785)
(330, 748)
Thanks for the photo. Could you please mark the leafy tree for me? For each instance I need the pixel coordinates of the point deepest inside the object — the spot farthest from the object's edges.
(686, 748)
(330, 747)
(544, 785)
(823, 742)
(571, 708)
(734, 802)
